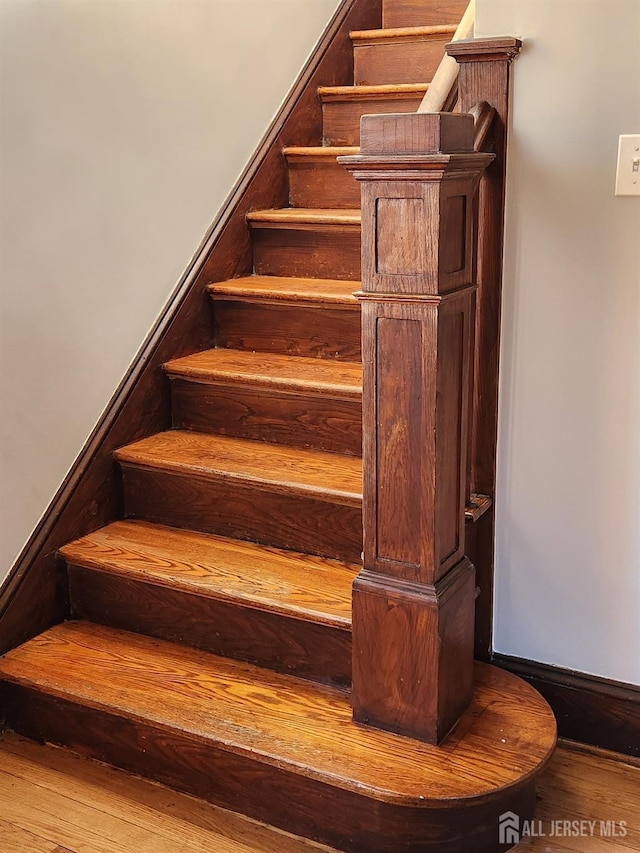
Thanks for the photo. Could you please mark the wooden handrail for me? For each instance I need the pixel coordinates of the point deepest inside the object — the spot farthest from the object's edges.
(446, 76)
(483, 116)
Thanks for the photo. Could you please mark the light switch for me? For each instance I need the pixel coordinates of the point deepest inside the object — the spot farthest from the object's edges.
(628, 171)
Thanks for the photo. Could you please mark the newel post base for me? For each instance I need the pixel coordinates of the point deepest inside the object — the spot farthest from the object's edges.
(423, 693)
(413, 603)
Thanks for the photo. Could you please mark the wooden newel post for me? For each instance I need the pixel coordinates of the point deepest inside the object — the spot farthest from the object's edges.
(413, 603)
(485, 77)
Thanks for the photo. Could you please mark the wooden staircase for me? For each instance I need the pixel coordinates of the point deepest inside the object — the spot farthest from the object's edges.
(210, 645)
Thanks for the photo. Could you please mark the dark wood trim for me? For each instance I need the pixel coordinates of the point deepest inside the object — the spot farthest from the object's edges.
(483, 88)
(589, 709)
(35, 594)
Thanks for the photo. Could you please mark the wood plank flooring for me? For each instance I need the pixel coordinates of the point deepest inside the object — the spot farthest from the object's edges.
(56, 802)
(53, 799)
(584, 783)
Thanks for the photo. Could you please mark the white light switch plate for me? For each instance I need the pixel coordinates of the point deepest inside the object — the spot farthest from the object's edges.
(628, 171)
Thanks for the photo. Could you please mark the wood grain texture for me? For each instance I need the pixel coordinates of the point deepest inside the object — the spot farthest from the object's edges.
(312, 244)
(576, 785)
(297, 419)
(417, 13)
(425, 271)
(297, 499)
(400, 454)
(396, 135)
(414, 602)
(408, 55)
(412, 652)
(297, 521)
(33, 597)
(292, 218)
(485, 77)
(302, 402)
(231, 732)
(387, 768)
(298, 329)
(435, 406)
(281, 469)
(293, 316)
(271, 372)
(77, 797)
(452, 429)
(316, 179)
(344, 106)
(17, 840)
(282, 641)
(214, 567)
(290, 612)
(321, 291)
(592, 785)
(398, 34)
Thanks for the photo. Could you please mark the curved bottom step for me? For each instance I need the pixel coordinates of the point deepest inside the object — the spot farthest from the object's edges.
(279, 749)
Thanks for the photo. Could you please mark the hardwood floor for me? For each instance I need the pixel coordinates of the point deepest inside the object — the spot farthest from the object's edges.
(55, 802)
(588, 784)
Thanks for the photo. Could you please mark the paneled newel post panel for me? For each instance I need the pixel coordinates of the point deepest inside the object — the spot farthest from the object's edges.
(413, 603)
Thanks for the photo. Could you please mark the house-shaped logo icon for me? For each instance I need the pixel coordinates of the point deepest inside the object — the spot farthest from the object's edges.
(509, 824)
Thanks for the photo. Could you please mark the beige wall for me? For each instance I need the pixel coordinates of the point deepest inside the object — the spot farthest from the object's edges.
(568, 514)
(124, 125)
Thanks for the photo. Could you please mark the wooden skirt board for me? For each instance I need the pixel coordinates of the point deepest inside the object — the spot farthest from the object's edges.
(256, 741)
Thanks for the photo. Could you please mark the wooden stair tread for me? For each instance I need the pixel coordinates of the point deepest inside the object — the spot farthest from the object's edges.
(282, 469)
(337, 292)
(292, 217)
(264, 578)
(401, 33)
(271, 371)
(287, 723)
(355, 93)
(328, 152)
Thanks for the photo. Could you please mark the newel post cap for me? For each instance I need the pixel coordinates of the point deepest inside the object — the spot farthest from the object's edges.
(400, 134)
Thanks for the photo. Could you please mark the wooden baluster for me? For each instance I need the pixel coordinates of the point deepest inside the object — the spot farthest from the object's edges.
(413, 603)
(484, 76)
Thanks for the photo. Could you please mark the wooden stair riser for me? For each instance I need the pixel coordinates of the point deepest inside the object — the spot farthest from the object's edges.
(295, 328)
(324, 251)
(295, 521)
(417, 13)
(270, 639)
(341, 117)
(295, 419)
(408, 59)
(320, 181)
